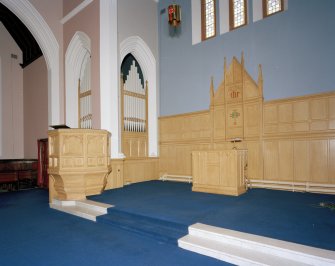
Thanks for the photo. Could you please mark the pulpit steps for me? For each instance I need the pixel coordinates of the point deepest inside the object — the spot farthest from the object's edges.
(87, 209)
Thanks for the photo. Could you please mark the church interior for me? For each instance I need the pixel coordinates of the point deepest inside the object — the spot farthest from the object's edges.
(157, 132)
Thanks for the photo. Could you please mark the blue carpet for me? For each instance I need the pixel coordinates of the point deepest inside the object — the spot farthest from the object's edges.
(33, 234)
(160, 230)
(288, 216)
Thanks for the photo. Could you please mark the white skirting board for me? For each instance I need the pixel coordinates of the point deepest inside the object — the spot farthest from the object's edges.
(248, 249)
(292, 186)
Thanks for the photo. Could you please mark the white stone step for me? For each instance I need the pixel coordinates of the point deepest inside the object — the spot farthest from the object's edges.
(258, 244)
(230, 253)
(94, 205)
(87, 209)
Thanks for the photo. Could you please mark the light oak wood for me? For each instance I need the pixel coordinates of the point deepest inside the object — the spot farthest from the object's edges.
(115, 178)
(127, 171)
(220, 172)
(78, 162)
(288, 140)
(140, 170)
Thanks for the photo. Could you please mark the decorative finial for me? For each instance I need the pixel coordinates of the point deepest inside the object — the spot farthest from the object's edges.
(211, 90)
(224, 66)
(260, 78)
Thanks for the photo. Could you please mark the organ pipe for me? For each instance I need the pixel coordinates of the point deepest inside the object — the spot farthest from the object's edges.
(133, 102)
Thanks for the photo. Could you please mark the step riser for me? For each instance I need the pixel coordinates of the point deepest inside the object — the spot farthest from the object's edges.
(154, 221)
(275, 251)
(217, 255)
(153, 235)
(154, 228)
(86, 209)
(76, 213)
(102, 210)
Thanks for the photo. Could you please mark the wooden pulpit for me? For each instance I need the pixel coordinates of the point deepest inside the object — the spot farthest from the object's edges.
(79, 163)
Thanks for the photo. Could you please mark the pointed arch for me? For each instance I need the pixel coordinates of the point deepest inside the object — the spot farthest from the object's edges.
(76, 56)
(139, 49)
(45, 38)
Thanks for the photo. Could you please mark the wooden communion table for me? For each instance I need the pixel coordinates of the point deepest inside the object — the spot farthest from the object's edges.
(220, 171)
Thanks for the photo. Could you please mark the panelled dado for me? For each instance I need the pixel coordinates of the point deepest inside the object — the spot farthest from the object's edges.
(288, 140)
(299, 139)
(307, 114)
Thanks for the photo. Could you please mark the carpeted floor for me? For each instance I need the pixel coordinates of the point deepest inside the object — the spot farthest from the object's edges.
(34, 234)
(290, 216)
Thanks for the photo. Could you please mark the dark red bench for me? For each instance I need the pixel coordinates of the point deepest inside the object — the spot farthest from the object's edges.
(18, 172)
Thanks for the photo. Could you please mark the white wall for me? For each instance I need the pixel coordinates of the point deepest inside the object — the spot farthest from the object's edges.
(139, 18)
(35, 80)
(138, 27)
(52, 12)
(11, 98)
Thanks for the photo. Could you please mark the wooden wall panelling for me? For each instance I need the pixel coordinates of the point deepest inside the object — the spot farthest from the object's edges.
(134, 144)
(271, 158)
(139, 170)
(176, 159)
(285, 163)
(331, 161)
(185, 127)
(319, 114)
(319, 161)
(331, 112)
(219, 123)
(285, 115)
(255, 159)
(301, 116)
(301, 161)
(253, 119)
(288, 140)
(270, 114)
(183, 160)
(115, 178)
(163, 159)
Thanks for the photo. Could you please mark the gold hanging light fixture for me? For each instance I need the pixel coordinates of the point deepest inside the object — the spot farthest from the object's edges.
(174, 13)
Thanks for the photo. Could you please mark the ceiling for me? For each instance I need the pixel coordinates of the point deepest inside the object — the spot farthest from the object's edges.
(21, 35)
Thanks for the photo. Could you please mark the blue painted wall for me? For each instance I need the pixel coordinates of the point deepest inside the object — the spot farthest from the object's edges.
(296, 49)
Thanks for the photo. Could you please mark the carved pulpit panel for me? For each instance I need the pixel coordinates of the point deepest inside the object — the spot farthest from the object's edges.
(72, 145)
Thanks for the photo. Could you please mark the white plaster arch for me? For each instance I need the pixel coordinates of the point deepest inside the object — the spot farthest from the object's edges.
(45, 38)
(77, 53)
(140, 50)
